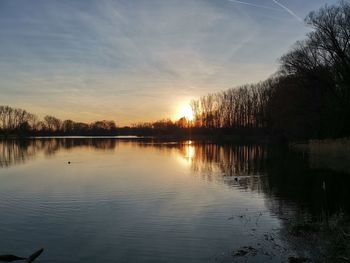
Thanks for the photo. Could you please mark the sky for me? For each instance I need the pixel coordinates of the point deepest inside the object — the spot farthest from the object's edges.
(138, 60)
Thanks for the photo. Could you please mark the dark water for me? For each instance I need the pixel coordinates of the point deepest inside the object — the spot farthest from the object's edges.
(146, 201)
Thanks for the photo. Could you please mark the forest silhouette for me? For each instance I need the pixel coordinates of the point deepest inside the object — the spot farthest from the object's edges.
(308, 97)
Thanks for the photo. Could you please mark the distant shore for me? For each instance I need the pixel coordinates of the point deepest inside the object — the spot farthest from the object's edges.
(209, 137)
(335, 146)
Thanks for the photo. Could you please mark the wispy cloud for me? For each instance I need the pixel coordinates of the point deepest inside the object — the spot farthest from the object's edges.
(120, 59)
(288, 10)
(254, 5)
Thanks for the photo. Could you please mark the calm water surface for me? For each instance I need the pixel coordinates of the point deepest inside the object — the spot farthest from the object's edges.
(144, 201)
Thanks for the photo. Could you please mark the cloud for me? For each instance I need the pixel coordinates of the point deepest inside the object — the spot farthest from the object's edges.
(288, 10)
(254, 5)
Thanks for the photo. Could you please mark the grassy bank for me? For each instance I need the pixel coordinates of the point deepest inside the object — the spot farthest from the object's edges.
(330, 153)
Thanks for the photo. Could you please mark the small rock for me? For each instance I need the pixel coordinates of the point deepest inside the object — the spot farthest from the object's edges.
(245, 251)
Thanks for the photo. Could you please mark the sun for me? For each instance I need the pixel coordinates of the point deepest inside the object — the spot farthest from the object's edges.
(186, 111)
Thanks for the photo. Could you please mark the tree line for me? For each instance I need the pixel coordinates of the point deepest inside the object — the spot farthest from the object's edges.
(15, 121)
(309, 96)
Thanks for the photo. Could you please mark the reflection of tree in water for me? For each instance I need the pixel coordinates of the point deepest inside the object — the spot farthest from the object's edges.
(283, 174)
(232, 160)
(52, 145)
(219, 162)
(235, 165)
(312, 204)
(13, 152)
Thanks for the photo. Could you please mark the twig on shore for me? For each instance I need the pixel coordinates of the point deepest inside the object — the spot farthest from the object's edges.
(344, 259)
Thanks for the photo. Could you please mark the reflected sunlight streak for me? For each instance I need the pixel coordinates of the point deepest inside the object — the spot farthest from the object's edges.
(190, 152)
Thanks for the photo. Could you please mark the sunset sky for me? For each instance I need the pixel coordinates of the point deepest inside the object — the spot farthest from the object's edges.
(136, 60)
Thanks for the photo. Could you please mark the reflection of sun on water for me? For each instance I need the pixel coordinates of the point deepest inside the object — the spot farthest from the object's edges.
(187, 153)
(190, 152)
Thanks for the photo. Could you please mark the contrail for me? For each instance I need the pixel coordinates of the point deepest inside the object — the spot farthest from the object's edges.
(254, 5)
(288, 10)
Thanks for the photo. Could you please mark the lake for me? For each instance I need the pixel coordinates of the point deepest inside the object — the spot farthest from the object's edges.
(145, 200)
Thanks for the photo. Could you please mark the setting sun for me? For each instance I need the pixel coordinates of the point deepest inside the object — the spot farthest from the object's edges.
(186, 111)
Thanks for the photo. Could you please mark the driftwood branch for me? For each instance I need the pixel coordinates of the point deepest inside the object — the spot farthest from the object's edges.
(30, 259)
